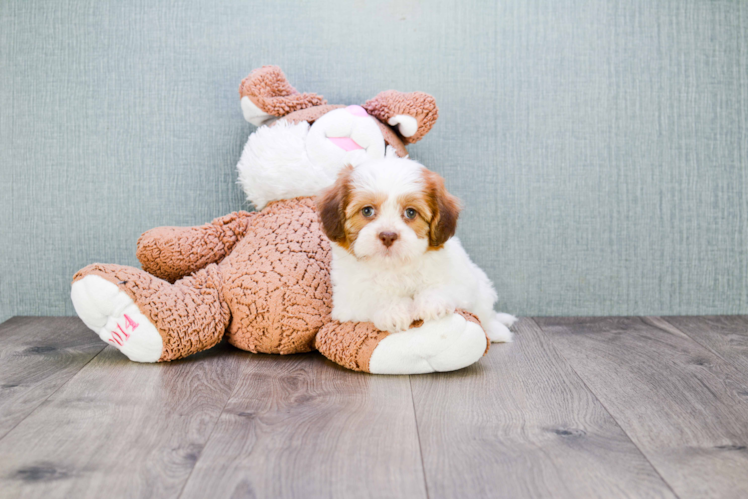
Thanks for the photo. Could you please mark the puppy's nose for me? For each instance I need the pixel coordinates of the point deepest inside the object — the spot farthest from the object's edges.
(387, 238)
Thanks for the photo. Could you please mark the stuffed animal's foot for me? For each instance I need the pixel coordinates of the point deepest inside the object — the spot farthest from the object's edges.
(112, 314)
(173, 320)
(443, 345)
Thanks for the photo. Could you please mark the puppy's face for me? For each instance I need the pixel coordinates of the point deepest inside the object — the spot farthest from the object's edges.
(391, 209)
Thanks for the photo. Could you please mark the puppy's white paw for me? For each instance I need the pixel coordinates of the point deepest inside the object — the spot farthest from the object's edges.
(506, 319)
(431, 306)
(497, 330)
(394, 318)
(112, 314)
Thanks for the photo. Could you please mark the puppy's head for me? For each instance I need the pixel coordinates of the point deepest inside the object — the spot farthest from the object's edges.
(392, 209)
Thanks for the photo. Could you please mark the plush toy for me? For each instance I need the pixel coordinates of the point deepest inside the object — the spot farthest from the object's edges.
(262, 278)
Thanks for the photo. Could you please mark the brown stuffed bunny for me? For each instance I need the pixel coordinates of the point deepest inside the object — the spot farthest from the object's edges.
(262, 278)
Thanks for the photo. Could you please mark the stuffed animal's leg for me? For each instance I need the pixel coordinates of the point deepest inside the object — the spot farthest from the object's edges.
(447, 344)
(147, 318)
(170, 252)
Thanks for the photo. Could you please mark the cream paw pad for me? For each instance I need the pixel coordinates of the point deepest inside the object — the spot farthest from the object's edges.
(443, 345)
(112, 314)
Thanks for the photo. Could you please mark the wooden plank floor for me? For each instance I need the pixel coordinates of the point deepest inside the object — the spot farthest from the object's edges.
(575, 407)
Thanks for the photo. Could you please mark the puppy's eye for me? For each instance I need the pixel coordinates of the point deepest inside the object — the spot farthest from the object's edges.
(410, 213)
(367, 211)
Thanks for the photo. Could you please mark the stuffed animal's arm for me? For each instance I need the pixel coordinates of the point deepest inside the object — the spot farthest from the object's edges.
(170, 252)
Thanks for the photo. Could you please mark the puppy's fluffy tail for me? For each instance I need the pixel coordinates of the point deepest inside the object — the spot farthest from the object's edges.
(498, 328)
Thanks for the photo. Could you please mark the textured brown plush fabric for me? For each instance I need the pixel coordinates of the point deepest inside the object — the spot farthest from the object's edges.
(273, 292)
(269, 89)
(189, 314)
(173, 252)
(349, 344)
(419, 105)
(277, 280)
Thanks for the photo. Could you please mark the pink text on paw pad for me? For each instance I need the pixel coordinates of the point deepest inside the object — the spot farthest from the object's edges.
(121, 335)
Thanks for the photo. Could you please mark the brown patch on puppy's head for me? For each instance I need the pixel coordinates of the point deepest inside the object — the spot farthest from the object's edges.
(331, 206)
(341, 207)
(355, 220)
(445, 209)
(421, 223)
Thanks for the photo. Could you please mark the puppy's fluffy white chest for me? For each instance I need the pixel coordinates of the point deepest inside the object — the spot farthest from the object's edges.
(363, 288)
(375, 279)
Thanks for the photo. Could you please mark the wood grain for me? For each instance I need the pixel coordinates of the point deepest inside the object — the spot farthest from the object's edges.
(726, 336)
(562, 412)
(120, 429)
(520, 423)
(37, 357)
(685, 407)
(300, 426)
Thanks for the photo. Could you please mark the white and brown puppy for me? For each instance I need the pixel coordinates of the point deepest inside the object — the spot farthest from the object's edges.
(394, 258)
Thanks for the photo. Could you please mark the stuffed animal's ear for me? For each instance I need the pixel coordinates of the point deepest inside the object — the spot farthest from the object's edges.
(411, 114)
(331, 205)
(445, 209)
(266, 94)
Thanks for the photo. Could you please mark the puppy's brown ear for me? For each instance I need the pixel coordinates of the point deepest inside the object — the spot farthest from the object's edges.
(331, 206)
(445, 207)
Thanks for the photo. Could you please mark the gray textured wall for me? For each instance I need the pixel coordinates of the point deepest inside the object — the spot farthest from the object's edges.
(601, 147)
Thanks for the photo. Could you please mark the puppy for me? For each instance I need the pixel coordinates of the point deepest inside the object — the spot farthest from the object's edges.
(394, 258)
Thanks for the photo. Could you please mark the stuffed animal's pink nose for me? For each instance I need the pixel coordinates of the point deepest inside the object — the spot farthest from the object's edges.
(357, 110)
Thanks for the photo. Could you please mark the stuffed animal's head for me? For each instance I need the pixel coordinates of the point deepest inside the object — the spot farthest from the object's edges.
(302, 142)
